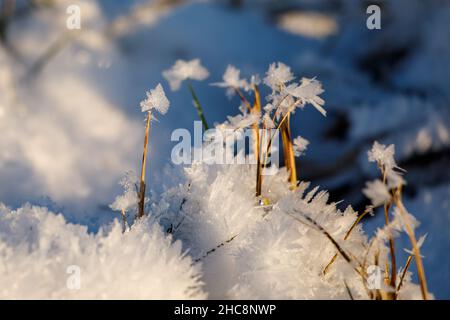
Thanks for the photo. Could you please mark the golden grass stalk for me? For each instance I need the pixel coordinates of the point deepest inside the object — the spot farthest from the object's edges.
(387, 206)
(143, 169)
(413, 240)
(256, 108)
(288, 149)
(391, 248)
(257, 142)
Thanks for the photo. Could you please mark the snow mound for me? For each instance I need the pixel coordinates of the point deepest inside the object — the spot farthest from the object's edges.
(251, 251)
(43, 257)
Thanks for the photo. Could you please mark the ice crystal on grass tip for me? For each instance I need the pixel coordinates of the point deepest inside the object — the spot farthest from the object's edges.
(384, 157)
(300, 146)
(377, 192)
(157, 100)
(254, 81)
(231, 80)
(308, 91)
(129, 199)
(183, 70)
(278, 75)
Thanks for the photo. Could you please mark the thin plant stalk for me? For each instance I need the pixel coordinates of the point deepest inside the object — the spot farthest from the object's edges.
(289, 151)
(407, 264)
(387, 206)
(257, 142)
(256, 137)
(198, 106)
(415, 247)
(143, 168)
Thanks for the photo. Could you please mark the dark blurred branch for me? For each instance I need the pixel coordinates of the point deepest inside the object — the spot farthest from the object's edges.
(7, 9)
(142, 14)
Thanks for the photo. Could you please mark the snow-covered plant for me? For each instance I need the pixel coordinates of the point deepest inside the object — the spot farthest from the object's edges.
(388, 192)
(293, 244)
(284, 98)
(156, 101)
(232, 81)
(296, 246)
(188, 70)
(128, 201)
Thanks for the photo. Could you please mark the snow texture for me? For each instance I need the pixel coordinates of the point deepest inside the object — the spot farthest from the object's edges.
(41, 254)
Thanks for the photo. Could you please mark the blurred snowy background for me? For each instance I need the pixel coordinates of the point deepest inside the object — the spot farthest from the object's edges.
(70, 125)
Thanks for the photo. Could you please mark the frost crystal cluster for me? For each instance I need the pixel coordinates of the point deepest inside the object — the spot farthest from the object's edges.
(183, 70)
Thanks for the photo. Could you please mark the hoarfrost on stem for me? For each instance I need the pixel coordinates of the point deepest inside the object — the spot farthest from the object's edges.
(384, 157)
(278, 75)
(129, 199)
(308, 91)
(232, 81)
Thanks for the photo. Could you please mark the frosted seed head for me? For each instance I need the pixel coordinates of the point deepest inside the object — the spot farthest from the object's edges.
(157, 100)
(278, 75)
(183, 70)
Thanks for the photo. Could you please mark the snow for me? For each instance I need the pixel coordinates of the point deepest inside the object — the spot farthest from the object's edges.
(129, 199)
(277, 75)
(156, 100)
(39, 251)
